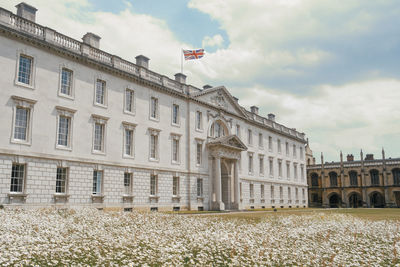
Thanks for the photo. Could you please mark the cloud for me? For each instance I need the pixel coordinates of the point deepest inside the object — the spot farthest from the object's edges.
(216, 40)
(348, 117)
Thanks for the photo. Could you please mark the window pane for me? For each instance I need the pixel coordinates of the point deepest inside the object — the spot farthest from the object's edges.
(98, 136)
(61, 179)
(21, 123)
(63, 130)
(128, 142)
(199, 187)
(154, 107)
(199, 151)
(175, 114)
(127, 183)
(24, 71)
(100, 92)
(153, 146)
(97, 177)
(153, 185)
(66, 82)
(175, 186)
(129, 100)
(17, 178)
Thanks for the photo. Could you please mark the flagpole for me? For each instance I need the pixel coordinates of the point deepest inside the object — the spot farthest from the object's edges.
(181, 60)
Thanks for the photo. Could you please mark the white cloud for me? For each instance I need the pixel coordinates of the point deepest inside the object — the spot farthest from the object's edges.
(347, 117)
(216, 40)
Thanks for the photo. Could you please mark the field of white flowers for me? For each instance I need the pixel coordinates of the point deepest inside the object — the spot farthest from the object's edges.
(91, 237)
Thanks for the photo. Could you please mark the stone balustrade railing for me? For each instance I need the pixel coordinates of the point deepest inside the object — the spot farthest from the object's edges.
(275, 125)
(55, 38)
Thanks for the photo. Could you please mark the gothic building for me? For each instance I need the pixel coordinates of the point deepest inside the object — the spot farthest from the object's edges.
(82, 127)
(367, 182)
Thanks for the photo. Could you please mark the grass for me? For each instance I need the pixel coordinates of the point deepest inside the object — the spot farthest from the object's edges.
(370, 214)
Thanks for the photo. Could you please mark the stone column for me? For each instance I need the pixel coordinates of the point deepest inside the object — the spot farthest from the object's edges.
(345, 203)
(385, 185)
(364, 191)
(325, 201)
(236, 185)
(218, 192)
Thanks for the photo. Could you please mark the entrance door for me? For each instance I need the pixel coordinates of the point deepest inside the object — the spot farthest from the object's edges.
(334, 201)
(377, 200)
(225, 185)
(397, 197)
(355, 200)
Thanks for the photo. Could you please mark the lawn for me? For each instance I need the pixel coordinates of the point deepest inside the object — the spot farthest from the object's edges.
(308, 237)
(370, 214)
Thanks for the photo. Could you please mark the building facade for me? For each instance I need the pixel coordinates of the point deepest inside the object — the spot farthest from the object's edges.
(80, 126)
(368, 182)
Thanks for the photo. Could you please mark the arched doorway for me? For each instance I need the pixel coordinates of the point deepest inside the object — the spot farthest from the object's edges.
(376, 200)
(397, 198)
(355, 200)
(334, 201)
(226, 183)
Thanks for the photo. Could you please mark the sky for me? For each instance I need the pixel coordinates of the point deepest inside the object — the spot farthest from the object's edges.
(328, 68)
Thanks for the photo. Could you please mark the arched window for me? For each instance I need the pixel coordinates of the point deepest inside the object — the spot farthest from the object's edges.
(374, 177)
(218, 129)
(314, 179)
(333, 178)
(396, 176)
(353, 178)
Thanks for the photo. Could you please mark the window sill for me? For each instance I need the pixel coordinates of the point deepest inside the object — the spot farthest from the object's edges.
(69, 97)
(262, 200)
(154, 119)
(131, 113)
(200, 199)
(128, 198)
(100, 105)
(177, 198)
(128, 156)
(199, 130)
(21, 142)
(13, 195)
(29, 86)
(60, 196)
(154, 160)
(97, 197)
(98, 152)
(251, 200)
(176, 125)
(63, 148)
(175, 163)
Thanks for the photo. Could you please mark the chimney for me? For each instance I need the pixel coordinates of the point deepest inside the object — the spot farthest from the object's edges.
(26, 11)
(91, 39)
(180, 77)
(350, 157)
(207, 86)
(254, 109)
(142, 61)
(369, 157)
(271, 116)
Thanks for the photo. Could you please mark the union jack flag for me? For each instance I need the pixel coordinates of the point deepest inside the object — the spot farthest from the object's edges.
(193, 54)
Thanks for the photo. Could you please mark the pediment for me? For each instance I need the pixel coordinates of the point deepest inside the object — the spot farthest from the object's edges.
(231, 141)
(220, 98)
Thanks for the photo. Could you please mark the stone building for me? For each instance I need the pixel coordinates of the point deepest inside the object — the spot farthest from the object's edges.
(367, 182)
(80, 126)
